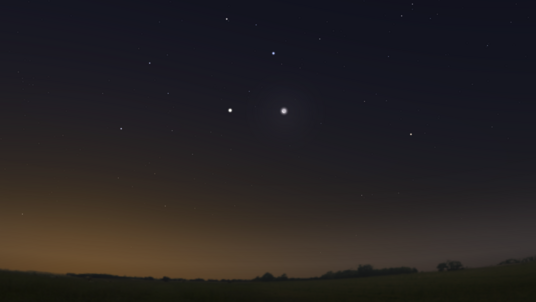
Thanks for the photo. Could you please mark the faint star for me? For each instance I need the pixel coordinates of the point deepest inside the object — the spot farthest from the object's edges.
(120, 128)
(284, 110)
(230, 109)
(149, 63)
(273, 53)
(410, 134)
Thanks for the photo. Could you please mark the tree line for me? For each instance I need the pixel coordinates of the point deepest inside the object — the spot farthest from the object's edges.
(368, 271)
(360, 272)
(457, 265)
(512, 260)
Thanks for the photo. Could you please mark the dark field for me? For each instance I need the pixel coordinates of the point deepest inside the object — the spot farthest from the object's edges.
(500, 283)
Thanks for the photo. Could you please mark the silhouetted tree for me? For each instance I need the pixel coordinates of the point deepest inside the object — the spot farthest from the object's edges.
(442, 266)
(165, 279)
(282, 278)
(450, 266)
(454, 265)
(267, 277)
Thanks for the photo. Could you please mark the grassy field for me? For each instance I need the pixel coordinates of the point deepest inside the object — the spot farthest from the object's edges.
(500, 283)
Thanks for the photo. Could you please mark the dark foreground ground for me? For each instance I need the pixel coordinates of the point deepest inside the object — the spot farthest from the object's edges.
(500, 283)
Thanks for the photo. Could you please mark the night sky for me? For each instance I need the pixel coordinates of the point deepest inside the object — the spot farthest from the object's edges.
(149, 138)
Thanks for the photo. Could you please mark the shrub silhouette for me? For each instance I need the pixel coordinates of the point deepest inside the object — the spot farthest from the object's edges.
(368, 271)
(512, 261)
(450, 266)
(165, 279)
